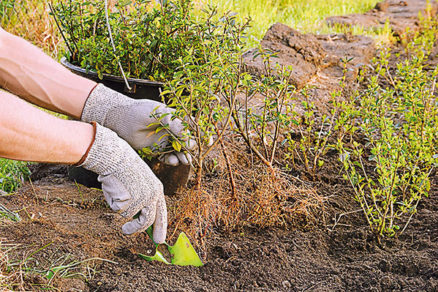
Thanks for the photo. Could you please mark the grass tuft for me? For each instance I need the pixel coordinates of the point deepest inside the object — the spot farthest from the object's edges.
(12, 174)
(30, 20)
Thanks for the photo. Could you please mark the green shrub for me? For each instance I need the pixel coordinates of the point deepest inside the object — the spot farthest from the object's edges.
(388, 138)
(6, 7)
(149, 39)
(12, 174)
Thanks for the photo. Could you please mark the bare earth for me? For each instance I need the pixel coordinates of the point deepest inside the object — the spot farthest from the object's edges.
(338, 253)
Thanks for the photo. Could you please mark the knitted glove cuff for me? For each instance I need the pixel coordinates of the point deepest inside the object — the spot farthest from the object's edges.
(106, 152)
(80, 162)
(100, 101)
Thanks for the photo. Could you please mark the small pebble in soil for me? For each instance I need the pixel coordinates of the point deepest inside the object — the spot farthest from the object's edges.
(286, 284)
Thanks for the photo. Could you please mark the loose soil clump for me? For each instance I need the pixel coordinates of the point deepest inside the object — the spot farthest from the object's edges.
(291, 48)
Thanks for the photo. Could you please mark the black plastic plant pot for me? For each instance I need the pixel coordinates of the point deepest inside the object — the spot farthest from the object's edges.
(140, 88)
(172, 177)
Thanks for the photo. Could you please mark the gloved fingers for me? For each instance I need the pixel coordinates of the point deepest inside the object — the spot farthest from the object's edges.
(190, 144)
(146, 218)
(184, 158)
(174, 159)
(176, 126)
(115, 193)
(164, 115)
(149, 138)
(149, 111)
(160, 225)
(169, 159)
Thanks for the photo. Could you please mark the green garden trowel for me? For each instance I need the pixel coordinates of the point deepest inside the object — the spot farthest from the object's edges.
(182, 252)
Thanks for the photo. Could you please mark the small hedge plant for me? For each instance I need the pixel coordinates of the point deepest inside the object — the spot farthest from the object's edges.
(149, 38)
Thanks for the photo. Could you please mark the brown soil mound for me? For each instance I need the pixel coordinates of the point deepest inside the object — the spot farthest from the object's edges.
(346, 54)
(292, 48)
(317, 60)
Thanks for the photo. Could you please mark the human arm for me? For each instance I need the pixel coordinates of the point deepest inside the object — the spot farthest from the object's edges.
(29, 73)
(128, 184)
(29, 134)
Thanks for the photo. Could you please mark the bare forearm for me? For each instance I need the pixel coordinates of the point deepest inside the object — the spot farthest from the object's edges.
(29, 134)
(29, 73)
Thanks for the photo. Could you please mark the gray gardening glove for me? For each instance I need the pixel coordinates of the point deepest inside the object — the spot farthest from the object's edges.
(131, 118)
(128, 184)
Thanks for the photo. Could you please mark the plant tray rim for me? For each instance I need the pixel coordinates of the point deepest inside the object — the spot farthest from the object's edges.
(108, 77)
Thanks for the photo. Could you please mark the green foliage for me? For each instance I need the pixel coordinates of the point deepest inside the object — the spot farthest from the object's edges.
(388, 138)
(209, 70)
(12, 174)
(149, 39)
(213, 95)
(263, 128)
(6, 7)
(314, 131)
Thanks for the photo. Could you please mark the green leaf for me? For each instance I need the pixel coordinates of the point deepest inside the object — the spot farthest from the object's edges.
(150, 232)
(183, 253)
(158, 256)
(176, 145)
(147, 151)
(51, 273)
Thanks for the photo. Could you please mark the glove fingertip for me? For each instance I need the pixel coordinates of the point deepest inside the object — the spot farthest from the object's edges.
(189, 159)
(171, 159)
(159, 237)
(182, 158)
(160, 225)
(191, 144)
(128, 229)
(210, 141)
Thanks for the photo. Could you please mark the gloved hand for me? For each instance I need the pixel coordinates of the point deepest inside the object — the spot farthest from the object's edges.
(131, 118)
(128, 184)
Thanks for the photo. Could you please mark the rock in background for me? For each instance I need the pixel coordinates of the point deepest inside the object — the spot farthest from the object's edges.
(292, 48)
(318, 61)
(399, 14)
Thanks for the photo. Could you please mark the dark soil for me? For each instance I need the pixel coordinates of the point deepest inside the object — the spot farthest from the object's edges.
(63, 222)
(330, 257)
